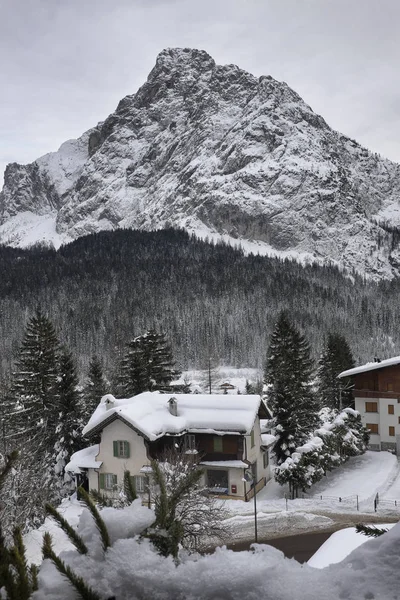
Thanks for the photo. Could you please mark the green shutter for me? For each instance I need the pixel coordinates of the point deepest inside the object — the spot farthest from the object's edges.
(115, 448)
(218, 443)
(127, 450)
(102, 481)
(115, 480)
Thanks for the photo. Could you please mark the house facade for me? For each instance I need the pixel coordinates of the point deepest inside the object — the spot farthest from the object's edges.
(377, 399)
(222, 430)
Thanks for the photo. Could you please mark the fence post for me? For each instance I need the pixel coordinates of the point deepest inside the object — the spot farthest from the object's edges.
(286, 500)
(357, 502)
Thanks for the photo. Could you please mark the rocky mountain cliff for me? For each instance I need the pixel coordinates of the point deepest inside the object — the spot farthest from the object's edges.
(218, 151)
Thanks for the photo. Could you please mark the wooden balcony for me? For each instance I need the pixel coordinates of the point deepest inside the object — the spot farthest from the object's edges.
(375, 394)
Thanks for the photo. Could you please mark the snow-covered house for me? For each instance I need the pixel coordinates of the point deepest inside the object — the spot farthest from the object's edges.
(223, 429)
(377, 399)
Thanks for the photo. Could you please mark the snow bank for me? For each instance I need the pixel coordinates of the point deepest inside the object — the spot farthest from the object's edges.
(340, 544)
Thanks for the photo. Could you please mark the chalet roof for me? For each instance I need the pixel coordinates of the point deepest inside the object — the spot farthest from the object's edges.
(149, 414)
(371, 366)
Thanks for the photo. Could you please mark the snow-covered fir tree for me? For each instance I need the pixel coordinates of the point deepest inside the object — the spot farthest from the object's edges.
(148, 365)
(336, 357)
(339, 436)
(34, 386)
(288, 372)
(70, 424)
(96, 386)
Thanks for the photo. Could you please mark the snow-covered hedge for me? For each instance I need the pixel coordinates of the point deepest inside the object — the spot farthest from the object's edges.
(340, 436)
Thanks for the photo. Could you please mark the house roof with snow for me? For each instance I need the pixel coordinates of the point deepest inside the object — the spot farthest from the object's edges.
(150, 415)
(84, 459)
(371, 366)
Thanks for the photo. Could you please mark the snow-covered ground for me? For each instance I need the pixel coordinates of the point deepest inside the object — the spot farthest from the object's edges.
(340, 544)
(337, 492)
(363, 475)
(223, 374)
(131, 569)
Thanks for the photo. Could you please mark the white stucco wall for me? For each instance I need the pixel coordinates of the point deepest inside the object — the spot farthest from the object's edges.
(387, 420)
(382, 418)
(118, 431)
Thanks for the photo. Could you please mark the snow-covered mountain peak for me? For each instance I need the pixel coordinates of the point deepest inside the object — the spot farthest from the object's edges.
(218, 151)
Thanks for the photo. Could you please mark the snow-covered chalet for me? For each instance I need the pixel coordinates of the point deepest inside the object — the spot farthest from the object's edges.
(224, 430)
(377, 399)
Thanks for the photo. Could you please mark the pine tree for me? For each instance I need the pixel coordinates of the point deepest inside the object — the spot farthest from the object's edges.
(70, 423)
(31, 419)
(147, 365)
(34, 385)
(336, 357)
(96, 387)
(287, 374)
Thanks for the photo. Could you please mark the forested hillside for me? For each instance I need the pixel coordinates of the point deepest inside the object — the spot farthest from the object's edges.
(211, 300)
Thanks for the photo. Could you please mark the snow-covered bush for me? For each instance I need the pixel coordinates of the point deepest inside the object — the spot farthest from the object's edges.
(340, 436)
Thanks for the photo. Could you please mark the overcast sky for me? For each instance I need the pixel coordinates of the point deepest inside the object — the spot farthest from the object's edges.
(65, 64)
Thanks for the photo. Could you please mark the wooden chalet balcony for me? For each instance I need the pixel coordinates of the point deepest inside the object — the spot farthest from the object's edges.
(375, 394)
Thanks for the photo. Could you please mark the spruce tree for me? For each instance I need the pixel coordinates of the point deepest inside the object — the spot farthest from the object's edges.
(34, 385)
(336, 357)
(147, 365)
(288, 372)
(32, 414)
(96, 386)
(69, 427)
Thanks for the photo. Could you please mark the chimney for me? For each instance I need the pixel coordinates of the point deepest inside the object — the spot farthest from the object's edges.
(108, 400)
(173, 407)
(377, 360)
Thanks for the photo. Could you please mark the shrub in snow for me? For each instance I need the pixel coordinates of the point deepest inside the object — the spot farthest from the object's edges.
(186, 516)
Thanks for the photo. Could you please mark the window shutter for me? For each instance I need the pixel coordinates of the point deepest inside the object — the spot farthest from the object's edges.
(115, 480)
(127, 450)
(115, 448)
(102, 481)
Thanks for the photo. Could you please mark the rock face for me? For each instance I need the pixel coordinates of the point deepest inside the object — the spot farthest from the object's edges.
(218, 151)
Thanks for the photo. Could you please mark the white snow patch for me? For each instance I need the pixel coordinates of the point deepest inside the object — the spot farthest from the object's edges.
(27, 228)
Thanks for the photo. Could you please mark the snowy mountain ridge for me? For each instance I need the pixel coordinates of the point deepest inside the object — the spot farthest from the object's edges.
(216, 151)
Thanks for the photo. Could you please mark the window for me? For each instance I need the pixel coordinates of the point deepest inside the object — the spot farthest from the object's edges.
(121, 449)
(373, 427)
(252, 443)
(391, 431)
(265, 459)
(108, 481)
(390, 386)
(140, 483)
(399, 420)
(189, 442)
(391, 409)
(371, 407)
(217, 481)
(218, 443)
